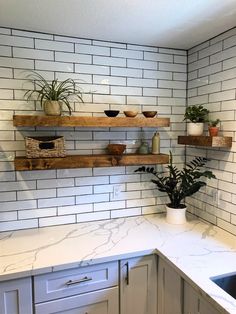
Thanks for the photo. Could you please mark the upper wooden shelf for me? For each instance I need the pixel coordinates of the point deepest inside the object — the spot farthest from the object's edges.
(87, 161)
(77, 121)
(207, 141)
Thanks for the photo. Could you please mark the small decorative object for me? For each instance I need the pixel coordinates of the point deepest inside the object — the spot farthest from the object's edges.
(111, 113)
(212, 127)
(149, 114)
(130, 114)
(178, 184)
(156, 143)
(116, 149)
(53, 95)
(197, 114)
(143, 148)
(45, 146)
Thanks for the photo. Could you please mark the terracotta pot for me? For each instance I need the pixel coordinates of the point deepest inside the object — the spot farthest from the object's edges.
(175, 216)
(52, 108)
(195, 129)
(213, 130)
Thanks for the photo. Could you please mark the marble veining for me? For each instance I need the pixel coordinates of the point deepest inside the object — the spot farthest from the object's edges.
(198, 250)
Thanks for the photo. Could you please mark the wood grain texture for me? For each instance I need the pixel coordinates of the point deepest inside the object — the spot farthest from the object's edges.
(207, 141)
(88, 161)
(76, 121)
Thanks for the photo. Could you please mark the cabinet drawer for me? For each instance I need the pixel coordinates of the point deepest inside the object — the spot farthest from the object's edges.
(75, 281)
(96, 302)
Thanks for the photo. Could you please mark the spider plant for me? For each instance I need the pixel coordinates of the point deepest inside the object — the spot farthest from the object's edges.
(54, 90)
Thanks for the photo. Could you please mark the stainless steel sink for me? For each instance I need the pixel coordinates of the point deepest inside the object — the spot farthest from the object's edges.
(226, 282)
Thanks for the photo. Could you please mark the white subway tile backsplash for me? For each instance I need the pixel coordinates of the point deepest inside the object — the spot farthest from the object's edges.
(93, 198)
(141, 82)
(18, 224)
(226, 95)
(93, 216)
(73, 57)
(124, 53)
(172, 67)
(5, 51)
(110, 61)
(16, 63)
(53, 45)
(59, 201)
(210, 50)
(126, 72)
(93, 50)
(117, 90)
(157, 74)
(214, 68)
(126, 212)
(92, 69)
(16, 41)
(32, 53)
(154, 56)
(109, 80)
(157, 92)
(61, 220)
(152, 65)
(53, 66)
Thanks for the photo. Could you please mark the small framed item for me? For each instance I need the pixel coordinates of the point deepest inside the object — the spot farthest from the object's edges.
(45, 146)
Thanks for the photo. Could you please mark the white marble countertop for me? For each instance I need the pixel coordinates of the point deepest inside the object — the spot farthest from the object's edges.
(197, 250)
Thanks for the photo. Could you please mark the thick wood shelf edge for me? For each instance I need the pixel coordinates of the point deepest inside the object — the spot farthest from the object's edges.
(88, 161)
(207, 141)
(77, 121)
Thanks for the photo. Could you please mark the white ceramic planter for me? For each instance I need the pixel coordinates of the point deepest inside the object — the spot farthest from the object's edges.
(52, 108)
(195, 128)
(175, 216)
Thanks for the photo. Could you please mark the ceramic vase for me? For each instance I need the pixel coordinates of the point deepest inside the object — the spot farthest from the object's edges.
(175, 216)
(195, 129)
(213, 130)
(52, 108)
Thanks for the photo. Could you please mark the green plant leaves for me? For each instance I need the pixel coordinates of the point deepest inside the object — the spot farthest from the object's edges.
(179, 184)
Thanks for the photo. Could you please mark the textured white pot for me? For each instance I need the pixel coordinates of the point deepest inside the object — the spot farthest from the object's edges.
(175, 216)
(52, 108)
(195, 128)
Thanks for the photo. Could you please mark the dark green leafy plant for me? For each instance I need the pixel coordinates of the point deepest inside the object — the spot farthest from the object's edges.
(179, 184)
(196, 114)
(53, 91)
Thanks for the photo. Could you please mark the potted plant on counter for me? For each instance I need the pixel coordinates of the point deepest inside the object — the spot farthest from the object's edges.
(212, 127)
(52, 95)
(179, 184)
(197, 115)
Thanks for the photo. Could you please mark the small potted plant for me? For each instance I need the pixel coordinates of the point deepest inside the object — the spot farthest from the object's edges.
(197, 115)
(212, 127)
(52, 95)
(179, 184)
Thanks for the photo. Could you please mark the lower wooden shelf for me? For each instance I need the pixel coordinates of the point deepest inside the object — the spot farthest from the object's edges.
(207, 141)
(88, 161)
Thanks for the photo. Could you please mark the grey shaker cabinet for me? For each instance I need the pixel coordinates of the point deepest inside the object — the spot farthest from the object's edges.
(138, 285)
(194, 303)
(16, 296)
(169, 289)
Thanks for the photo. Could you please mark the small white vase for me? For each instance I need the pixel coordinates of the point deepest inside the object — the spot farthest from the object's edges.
(195, 129)
(52, 108)
(175, 216)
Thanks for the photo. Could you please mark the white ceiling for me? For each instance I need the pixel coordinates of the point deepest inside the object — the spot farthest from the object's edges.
(163, 23)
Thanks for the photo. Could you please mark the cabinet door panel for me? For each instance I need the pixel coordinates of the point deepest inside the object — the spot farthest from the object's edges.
(139, 285)
(169, 289)
(98, 302)
(195, 303)
(16, 296)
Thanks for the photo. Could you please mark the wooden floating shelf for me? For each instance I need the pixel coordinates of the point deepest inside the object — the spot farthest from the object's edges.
(77, 121)
(207, 141)
(87, 161)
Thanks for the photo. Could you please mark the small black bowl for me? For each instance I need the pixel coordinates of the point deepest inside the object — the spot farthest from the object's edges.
(111, 113)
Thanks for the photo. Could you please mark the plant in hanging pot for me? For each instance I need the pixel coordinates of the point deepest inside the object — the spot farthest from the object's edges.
(178, 184)
(212, 127)
(52, 95)
(197, 115)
